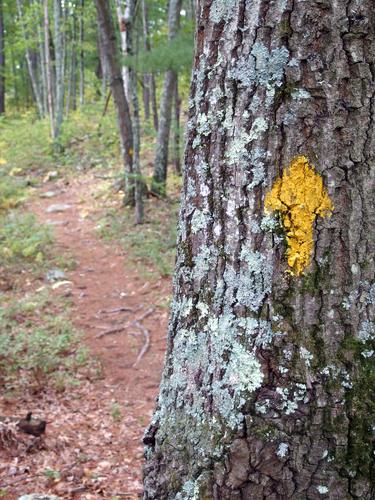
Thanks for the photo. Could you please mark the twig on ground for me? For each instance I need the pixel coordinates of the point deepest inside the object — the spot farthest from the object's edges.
(117, 329)
(116, 310)
(146, 344)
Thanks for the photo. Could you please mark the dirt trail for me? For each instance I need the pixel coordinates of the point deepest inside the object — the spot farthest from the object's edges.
(96, 430)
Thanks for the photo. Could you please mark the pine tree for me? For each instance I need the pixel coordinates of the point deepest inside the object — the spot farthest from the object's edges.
(269, 382)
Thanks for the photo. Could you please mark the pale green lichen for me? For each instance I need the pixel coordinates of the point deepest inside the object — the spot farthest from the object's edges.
(259, 126)
(282, 450)
(199, 221)
(222, 10)
(300, 94)
(254, 280)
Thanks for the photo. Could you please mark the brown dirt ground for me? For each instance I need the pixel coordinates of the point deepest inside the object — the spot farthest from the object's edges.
(93, 440)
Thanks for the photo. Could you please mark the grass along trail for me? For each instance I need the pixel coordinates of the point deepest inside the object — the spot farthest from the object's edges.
(93, 444)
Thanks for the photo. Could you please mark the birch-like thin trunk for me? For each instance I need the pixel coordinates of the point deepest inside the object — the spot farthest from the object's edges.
(162, 142)
(126, 18)
(268, 389)
(71, 102)
(48, 70)
(147, 47)
(59, 67)
(32, 74)
(108, 39)
(42, 59)
(154, 104)
(177, 131)
(2, 61)
(81, 56)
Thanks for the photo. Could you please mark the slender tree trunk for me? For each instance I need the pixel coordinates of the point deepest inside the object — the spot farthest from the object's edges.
(108, 38)
(59, 68)
(32, 74)
(15, 80)
(2, 61)
(42, 59)
(162, 142)
(176, 131)
(126, 20)
(81, 56)
(154, 104)
(71, 102)
(146, 77)
(48, 70)
(268, 389)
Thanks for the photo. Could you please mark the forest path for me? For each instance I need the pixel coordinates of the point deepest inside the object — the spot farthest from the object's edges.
(103, 420)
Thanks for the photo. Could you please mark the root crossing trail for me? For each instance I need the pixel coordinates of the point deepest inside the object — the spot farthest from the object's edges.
(94, 438)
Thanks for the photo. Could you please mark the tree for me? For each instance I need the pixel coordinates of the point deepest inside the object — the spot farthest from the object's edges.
(164, 125)
(126, 16)
(269, 383)
(2, 61)
(109, 44)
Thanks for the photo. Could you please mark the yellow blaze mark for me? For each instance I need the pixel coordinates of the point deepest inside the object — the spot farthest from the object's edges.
(299, 195)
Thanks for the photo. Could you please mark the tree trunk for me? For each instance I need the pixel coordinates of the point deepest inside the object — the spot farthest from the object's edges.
(147, 47)
(154, 104)
(176, 131)
(108, 38)
(81, 56)
(126, 16)
(48, 71)
(268, 389)
(32, 74)
(71, 102)
(59, 68)
(2, 61)
(162, 142)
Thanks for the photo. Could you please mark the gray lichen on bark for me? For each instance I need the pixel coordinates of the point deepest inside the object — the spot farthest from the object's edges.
(268, 384)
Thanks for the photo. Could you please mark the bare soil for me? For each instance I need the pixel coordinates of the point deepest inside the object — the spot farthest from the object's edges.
(93, 444)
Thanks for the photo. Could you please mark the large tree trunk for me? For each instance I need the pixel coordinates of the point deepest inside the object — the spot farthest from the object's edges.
(162, 142)
(2, 61)
(269, 383)
(108, 39)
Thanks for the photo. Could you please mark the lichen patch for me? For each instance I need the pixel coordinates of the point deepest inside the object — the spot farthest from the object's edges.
(300, 196)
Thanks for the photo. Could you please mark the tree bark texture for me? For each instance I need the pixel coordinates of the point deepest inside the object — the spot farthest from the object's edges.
(108, 39)
(2, 61)
(268, 389)
(164, 125)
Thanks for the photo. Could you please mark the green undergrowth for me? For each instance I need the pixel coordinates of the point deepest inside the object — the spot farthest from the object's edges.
(152, 245)
(23, 240)
(88, 140)
(39, 347)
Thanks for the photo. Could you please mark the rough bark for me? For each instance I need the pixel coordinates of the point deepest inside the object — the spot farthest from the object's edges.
(108, 39)
(2, 61)
(164, 125)
(268, 386)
